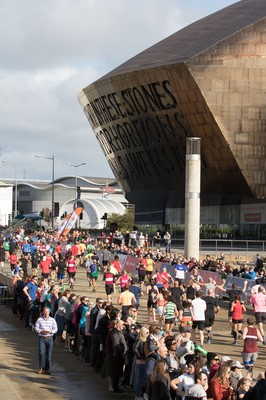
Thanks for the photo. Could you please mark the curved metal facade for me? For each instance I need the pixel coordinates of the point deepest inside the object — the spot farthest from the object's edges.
(207, 80)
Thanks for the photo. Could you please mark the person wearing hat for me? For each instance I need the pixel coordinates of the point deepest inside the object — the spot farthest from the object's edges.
(235, 374)
(225, 359)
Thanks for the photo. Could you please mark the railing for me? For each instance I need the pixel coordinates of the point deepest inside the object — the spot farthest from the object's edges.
(257, 246)
(222, 245)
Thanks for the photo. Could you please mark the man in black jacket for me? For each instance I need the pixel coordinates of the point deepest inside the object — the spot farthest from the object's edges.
(93, 317)
(119, 352)
(258, 392)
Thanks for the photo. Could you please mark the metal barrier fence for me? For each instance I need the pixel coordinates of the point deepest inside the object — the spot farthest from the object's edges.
(221, 245)
(6, 290)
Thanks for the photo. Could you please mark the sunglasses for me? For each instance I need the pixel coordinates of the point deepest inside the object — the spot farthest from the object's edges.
(216, 359)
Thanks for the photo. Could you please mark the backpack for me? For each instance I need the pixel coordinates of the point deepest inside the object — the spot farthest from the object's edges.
(93, 268)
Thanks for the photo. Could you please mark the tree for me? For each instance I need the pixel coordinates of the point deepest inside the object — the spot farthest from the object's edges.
(124, 221)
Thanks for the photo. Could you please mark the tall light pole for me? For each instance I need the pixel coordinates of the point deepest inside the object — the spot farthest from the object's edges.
(76, 176)
(16, 186)
(50, 158)
(76, 184)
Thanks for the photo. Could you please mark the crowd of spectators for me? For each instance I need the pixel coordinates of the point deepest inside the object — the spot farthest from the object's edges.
(158, 358)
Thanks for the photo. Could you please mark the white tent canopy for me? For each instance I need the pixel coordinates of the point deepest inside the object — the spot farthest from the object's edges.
(93, 211)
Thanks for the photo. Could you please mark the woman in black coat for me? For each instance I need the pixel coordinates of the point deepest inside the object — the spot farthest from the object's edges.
(160, 382)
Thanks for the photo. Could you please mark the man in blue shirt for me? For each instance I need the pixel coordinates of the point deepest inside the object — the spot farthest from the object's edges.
(30, 290)
(180, 270)
(26, 249)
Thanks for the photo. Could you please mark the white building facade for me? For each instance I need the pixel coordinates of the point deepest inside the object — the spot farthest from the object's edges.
(98, 196)
(6, 201)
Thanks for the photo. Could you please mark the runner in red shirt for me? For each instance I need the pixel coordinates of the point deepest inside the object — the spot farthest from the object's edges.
(13, 258)
(59, 248)
(71, 270)
(165, 277)
(117, 264)
(237, 310)
(74, 250)
(44, 265)
(49, 258)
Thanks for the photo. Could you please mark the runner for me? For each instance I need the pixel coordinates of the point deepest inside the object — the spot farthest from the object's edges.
(109, 279)
(94, 274)
(71, 270)
(259, 303)
(199, 307)
(124, 280)
(237, 310)
(153, 293)
(212, 307)
(251, 336)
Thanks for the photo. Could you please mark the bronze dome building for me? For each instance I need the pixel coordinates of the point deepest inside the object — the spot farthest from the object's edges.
(207, 80)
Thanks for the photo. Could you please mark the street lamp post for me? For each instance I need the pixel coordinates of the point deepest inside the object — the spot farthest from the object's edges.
(50, 158)
(76, 182)
(16, 187)
(76, 176)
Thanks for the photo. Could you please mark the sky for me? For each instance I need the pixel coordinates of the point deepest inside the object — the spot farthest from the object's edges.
(49, 51)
